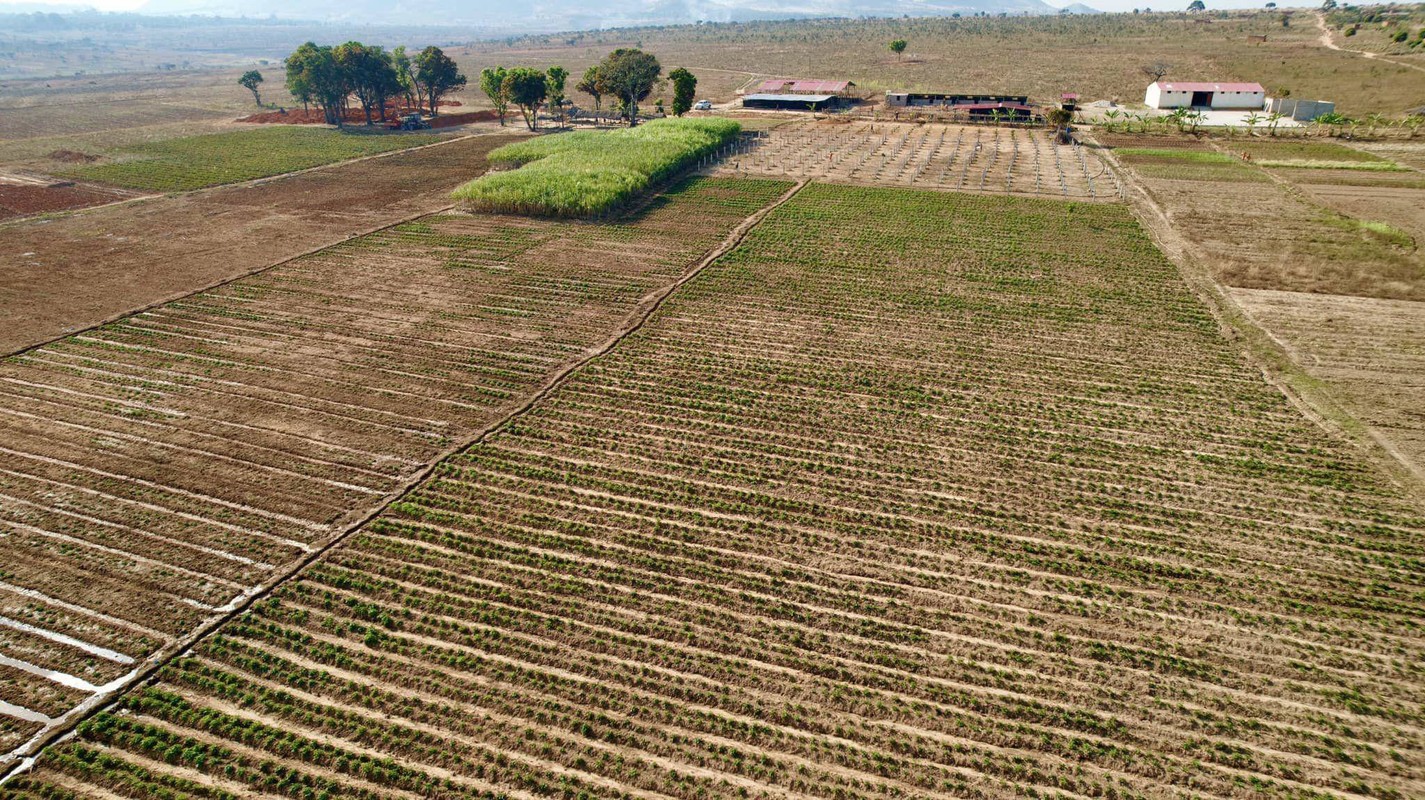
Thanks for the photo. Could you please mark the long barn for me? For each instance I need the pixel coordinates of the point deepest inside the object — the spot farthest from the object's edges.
(1217, 96)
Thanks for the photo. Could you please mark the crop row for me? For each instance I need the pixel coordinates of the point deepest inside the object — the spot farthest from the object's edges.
(848, 519)
(179, 457)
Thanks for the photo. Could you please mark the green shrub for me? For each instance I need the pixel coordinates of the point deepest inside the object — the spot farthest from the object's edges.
(589, 172)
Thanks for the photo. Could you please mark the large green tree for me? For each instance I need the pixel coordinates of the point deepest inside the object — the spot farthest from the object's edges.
(438, 75)
(685, 87)
(371, 75)
(251, 80)
(630, 75)
(492, 82)
(526, 88)
(315, 76)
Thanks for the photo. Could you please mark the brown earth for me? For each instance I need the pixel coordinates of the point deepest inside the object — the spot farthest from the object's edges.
(1371, 351)
(18, 200)
(314, 116)
(58, 276)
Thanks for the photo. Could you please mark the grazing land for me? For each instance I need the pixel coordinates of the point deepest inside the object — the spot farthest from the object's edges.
(196, 162)
(1100, 57)
(932, 156)
(593, 172)
(102, 263)
(160, 468)
(867, 508)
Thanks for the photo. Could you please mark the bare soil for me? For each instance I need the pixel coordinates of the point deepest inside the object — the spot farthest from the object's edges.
(1372, 351)
(61, 275)
(18, 200)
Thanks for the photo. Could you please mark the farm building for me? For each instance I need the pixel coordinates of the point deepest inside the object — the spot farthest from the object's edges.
(1219, 96)
(923, 99)
(792, 102)
(797, 86)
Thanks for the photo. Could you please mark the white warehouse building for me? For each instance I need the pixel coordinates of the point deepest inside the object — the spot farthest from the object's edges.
(1219, 96)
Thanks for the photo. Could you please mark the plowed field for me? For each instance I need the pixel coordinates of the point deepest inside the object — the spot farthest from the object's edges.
(160, 468)
(867, 509)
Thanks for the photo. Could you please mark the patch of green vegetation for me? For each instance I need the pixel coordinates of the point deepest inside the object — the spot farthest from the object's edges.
(1174, 154)
(195, 162)
(1372, 166)
(589, 172)
(1379, 231)
(1305, 151)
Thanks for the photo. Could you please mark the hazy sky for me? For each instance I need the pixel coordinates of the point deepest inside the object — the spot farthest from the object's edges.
(1102, 5)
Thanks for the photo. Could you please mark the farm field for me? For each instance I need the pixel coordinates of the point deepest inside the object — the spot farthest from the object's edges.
(1260, 234)
(1333, 270)
(843, 520)
(930, 156)
(1372, 350)
(105, 262)
(159, 468)
(197, 162)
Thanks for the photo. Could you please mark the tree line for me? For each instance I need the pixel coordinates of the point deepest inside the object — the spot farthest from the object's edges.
(332, 77)
(626, 76)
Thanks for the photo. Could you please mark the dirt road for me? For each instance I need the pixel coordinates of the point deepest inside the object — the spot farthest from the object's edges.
(1328, 42)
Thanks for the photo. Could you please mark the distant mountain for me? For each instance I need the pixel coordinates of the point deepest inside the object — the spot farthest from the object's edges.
(552, 15)
(1078, 8)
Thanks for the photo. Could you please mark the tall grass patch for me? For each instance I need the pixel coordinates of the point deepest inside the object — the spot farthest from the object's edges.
(590, 172)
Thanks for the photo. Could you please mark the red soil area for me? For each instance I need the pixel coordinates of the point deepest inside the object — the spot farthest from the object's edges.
(354, 116)
(19, 200)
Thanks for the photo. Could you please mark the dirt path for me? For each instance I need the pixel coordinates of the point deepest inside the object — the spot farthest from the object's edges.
(1329, 43)
(635, 320)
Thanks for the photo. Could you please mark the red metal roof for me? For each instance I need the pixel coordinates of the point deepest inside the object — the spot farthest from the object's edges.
(1068, 96)
(797, 86)
(1202, 86)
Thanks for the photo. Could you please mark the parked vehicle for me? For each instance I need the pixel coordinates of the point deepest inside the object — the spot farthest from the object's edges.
(703, 105)
(410, 122)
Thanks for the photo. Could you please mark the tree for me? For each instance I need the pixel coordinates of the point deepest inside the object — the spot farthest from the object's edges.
(554, 80)
(589, 84)
(315, 76)
(1059, 119)
(685, 86)
(406, 75)
(630, 75)
(1271, 5)
(252, 79)
(1196, 5)
(898, 47)
(438, 75)
(492, 82)
(1328, 5)
(526, 88)
(370, 74)
(1156, 70)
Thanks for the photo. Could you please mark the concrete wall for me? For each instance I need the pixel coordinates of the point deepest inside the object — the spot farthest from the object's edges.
(1299, 110)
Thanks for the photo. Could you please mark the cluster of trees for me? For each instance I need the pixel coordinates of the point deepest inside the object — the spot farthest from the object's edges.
(626, 76)
(330, 77)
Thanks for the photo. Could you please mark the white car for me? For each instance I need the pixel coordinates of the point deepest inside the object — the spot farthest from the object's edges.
(703, 105)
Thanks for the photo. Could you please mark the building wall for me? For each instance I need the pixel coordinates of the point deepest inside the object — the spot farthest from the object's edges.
(1299, 110)
(1238, 100)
